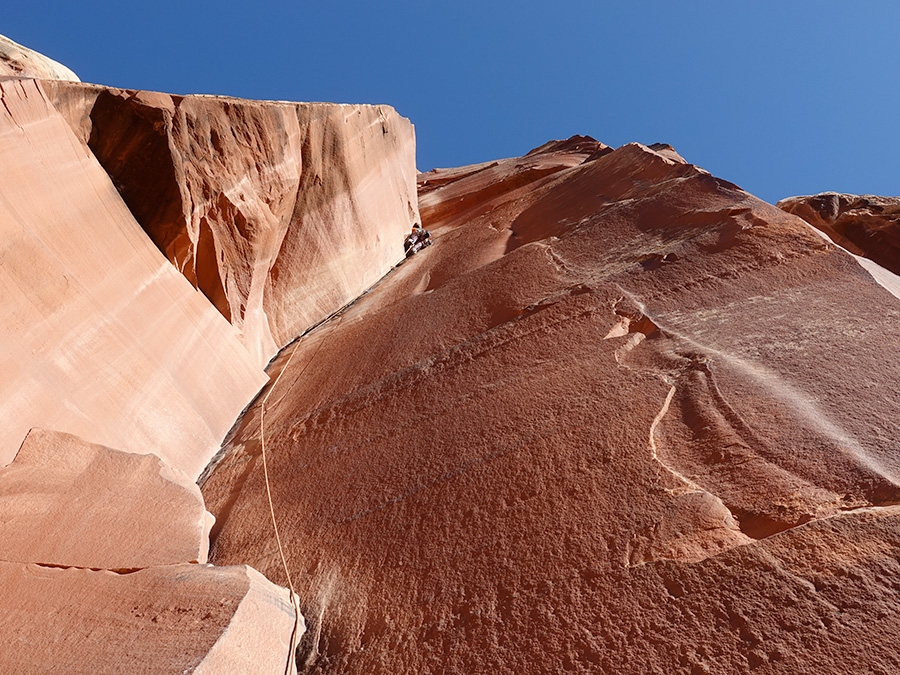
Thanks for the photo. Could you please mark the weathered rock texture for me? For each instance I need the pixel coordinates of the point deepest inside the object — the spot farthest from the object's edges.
(19, 61)
(100, 337)
(173, 619)
(278, 212)
(621, 417)
(866, 225)
(69, 503)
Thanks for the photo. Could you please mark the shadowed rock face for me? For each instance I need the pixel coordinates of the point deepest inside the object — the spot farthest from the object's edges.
(621, 417)
(278, 212)
(866, 225)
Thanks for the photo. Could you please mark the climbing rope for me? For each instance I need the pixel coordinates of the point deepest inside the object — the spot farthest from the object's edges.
(287, 572)
(262, 440)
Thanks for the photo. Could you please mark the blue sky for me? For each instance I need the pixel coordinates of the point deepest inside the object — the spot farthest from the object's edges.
(782, 98)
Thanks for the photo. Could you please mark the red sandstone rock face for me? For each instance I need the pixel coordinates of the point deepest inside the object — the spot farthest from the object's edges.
(100, 336)
(621, 417)
(470, 191)
(863, 224)
(278, 212)
(19, 61)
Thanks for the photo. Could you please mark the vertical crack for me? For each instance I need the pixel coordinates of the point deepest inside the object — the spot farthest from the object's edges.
(655, 455)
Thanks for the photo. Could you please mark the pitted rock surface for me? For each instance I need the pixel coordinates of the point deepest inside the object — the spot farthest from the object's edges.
(621, 417)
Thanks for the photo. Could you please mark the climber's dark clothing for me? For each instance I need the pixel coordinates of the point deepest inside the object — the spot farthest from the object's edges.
(416, 240)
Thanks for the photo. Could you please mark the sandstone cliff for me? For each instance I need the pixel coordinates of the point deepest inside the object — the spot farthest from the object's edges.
(278, 212)
(866, 225)
(621, 417)
(101, 337)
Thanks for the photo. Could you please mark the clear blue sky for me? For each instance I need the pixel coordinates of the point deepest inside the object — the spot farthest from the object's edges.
(782, 97)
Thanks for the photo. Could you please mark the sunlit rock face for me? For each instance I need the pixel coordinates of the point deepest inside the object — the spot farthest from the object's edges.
(621, 417)
(160, 620)
(278, 212)
(69, 503)
(95, 553)
(866, 225)
(99, 336)
(19, 61)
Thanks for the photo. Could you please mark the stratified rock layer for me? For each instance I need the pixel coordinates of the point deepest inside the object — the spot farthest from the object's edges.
(278, 212)
(74, 504)
(165, 620)
(19, 61)
(866, 225)
(100, 337)
(621, 417)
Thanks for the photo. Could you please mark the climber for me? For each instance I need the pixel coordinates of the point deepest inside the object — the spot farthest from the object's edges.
(416, 240)
(412, 237)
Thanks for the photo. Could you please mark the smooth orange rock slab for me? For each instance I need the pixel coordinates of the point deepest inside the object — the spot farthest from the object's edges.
(99, 336)
(278, 212)
(866, 225)
(19, 61)
(623, 417)
(75, 504)
(172, 619)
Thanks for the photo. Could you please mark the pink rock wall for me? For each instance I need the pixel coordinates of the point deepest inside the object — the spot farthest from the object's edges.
(278, 212)
(157, 621)
(69, 503)
(95, 546)
(100, 336)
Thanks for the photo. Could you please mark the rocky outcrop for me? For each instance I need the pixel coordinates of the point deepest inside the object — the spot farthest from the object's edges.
(278, 212)
(68, 503)
(173, 619)
(19, 61)
(621, 417)
(100, 337)
(866, 225)
(93, 546)
(472, 191)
